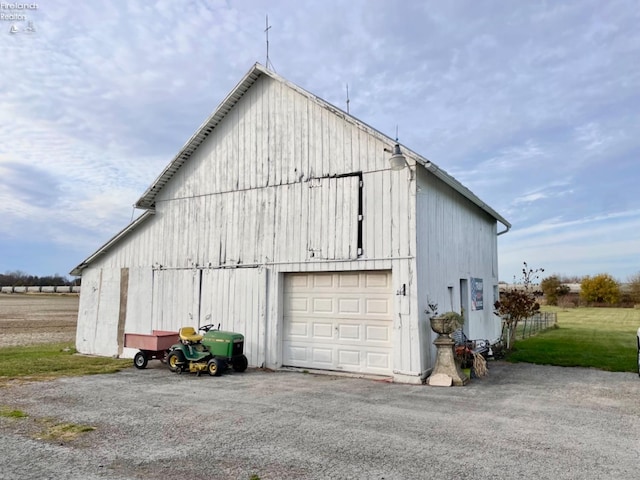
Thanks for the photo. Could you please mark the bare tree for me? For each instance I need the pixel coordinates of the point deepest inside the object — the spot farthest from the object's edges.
(516, 304)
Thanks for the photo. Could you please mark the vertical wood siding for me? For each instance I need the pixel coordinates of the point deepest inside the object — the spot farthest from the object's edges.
(457, 241)
(263, 188)
(98, 313)
(139, 300)
(175, 299)
(236, 300)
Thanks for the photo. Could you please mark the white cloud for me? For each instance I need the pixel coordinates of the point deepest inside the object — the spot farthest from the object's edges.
(602, 243)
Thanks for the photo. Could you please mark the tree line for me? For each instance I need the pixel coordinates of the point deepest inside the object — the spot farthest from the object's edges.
(520, 301)
(21, 279)
(600, 289)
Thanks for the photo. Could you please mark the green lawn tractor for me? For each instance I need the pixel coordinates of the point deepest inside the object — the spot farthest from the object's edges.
(213, 352)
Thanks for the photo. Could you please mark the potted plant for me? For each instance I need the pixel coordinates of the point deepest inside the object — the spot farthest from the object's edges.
(446, 370)
(446, 323)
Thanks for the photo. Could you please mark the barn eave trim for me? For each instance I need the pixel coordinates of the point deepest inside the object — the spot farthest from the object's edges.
(148, 198)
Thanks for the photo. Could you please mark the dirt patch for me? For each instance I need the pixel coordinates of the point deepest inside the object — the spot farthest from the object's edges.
(27, 319)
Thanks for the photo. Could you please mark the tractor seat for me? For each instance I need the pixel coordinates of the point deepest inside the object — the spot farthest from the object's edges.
(189, 335)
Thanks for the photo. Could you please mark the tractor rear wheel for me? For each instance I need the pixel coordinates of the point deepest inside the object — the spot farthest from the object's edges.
(140, 360)
(175, 360)
(214, 367)
(240, 363)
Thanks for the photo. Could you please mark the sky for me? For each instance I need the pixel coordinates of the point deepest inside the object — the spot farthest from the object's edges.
(534, 106)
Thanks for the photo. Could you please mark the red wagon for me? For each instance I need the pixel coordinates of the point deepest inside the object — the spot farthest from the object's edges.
(151, 347)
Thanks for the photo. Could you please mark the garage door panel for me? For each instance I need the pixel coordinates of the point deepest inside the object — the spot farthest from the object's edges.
(349, 359)
(349, 306)
(297, 354)
(298, 280)
(349, 280)
(322, 305)
(298, 304)
(349, 332)
(298, 329)
(322, 356)
(378, 306)
(378, 361)
(347, 318)
(322, 281)
(377, 280)
(322, 331)
(375, 333)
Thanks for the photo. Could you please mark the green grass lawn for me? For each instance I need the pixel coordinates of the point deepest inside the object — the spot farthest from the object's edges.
(53, 360)
(603, 338)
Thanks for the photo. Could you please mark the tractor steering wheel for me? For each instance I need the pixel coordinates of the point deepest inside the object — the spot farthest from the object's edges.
(206, 327)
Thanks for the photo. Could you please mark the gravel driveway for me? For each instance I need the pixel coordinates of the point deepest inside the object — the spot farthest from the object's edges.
(523, 421)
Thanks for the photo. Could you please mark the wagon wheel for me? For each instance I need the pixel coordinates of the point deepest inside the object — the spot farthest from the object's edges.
(140, 360)
(175, 360)
(240, 364)
(214, 367)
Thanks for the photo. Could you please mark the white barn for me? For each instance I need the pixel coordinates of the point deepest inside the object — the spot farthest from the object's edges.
(281, 219)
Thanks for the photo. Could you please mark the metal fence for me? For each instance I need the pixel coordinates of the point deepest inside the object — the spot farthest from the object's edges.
(532, 325)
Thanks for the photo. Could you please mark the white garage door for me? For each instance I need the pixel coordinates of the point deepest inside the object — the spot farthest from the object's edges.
(338, 321)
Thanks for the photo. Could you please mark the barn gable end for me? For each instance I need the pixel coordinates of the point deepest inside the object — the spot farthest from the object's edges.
(280, 219)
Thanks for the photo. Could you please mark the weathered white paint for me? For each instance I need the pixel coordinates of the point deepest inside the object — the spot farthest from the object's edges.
(139, 311)
(235, 299)
(277, 187)
(457, 241)
(98, 312)
(175, 299)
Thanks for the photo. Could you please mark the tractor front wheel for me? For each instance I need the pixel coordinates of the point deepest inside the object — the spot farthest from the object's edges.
(240, 364)
(140, 360)
(174, 361)
(214, 367)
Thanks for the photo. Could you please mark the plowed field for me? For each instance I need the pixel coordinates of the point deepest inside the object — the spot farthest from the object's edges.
(27, 319)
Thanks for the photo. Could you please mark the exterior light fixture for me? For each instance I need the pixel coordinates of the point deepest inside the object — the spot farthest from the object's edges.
(397, 160)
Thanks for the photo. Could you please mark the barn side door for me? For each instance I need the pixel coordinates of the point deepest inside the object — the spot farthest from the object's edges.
(235, 298)
(335, 217)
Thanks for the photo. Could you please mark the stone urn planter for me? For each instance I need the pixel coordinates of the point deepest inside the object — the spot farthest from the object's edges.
(446, 371)
(447, 323)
